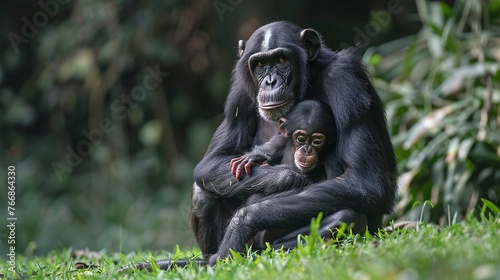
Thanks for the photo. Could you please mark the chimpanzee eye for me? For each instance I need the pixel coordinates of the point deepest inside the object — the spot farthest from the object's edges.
(260, 64)
(281, 60)
(301, 139)
(317, 142)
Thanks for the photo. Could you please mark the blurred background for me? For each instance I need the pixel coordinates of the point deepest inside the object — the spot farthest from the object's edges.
(107, 106)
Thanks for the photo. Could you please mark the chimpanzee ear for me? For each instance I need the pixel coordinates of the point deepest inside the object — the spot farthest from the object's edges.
(281, 122)
(241, 48)
(312, 42)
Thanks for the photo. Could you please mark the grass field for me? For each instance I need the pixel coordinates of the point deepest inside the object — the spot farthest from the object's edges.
(465, 250)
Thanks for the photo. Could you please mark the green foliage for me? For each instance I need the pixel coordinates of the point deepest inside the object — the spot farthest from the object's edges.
(441, 88)
(466, 250)
(79, 69)
(490, 208)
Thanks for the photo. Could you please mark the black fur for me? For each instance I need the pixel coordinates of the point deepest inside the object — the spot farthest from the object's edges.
(360, 169)
(310, 116)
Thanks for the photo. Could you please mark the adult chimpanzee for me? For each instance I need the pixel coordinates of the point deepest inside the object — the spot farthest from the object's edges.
(305, 136)
(280, 65)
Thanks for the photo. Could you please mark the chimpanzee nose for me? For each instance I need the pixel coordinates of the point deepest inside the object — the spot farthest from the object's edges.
(270, 81)
(308, 149)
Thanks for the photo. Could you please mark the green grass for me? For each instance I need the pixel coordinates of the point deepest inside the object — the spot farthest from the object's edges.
(466, 250)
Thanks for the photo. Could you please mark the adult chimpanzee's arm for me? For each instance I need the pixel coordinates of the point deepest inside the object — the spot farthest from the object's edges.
(364, 145)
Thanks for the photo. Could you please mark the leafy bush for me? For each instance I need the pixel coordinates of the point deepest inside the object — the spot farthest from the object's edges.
(441, 88)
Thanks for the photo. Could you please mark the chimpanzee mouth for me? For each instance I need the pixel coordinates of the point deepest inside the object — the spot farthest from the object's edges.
(303, 167)
(274, 105)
